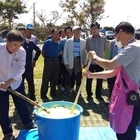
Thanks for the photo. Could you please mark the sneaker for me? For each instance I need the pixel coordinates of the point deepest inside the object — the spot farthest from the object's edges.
(9, 137)
(30, 126)
(62, 89)
(66, 94)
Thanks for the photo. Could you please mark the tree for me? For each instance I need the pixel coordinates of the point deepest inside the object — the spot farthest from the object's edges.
(10, 9)
(83, 12)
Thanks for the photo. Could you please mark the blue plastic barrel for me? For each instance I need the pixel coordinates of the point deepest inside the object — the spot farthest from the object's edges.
(58, 129)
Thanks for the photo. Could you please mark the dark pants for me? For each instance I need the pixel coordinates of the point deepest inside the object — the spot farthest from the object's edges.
(111, 82)
(50, 74)
(94, 68)
(130, 134)
(63, 75)
(70, 80)
(29, 76)
(20, 105)
(60, 70)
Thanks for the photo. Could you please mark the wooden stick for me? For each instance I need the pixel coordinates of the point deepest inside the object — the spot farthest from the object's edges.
(80, 88)
(27, 99)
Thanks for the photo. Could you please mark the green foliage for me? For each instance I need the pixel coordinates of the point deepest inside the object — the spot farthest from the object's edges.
(83, 12)
(10, 9)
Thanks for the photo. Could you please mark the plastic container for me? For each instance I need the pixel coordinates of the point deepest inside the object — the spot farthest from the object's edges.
(58, 129)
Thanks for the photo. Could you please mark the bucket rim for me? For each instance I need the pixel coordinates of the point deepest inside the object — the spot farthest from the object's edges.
(51, 102)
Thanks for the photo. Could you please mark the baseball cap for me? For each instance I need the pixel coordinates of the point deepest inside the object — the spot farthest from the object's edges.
(76, 27)
(30, 26)
(21, 28)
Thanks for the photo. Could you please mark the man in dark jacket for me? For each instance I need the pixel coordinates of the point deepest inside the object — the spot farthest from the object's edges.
(30, 62)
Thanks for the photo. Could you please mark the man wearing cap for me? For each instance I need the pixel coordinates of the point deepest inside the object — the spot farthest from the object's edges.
(95, 43)
(30, 63)
(74, 57)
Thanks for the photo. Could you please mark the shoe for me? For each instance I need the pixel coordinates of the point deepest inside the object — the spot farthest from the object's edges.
(66, 94)
(9, 137)
(62, 89)
(30, 126)
(100, 98)
(89, 98)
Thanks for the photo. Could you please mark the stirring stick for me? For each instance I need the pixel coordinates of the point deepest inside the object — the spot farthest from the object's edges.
(28, 100)
(80, 88)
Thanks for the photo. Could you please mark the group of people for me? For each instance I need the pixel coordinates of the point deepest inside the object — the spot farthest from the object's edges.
(64, 59)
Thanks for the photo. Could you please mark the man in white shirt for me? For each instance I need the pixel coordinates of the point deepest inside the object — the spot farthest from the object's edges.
(12, 63)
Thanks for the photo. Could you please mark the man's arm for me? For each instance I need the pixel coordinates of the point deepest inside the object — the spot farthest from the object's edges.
(107, 64)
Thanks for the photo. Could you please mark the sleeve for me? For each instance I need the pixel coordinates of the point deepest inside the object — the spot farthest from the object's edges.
(87, 46)
(65, 54)
(38, 51)
(110, 52)
(127, 55)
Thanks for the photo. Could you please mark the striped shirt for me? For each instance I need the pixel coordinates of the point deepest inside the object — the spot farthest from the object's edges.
(76, 49)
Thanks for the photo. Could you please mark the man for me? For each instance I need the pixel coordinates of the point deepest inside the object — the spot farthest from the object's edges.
(68, 33)
(74, 58)
(128, 61)
(95, 43)
(30, 63)
(50, 52)
(12, 63)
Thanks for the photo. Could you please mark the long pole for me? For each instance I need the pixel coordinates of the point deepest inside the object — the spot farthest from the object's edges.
(34, 16)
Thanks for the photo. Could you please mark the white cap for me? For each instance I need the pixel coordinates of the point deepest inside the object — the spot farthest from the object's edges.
(76, 27)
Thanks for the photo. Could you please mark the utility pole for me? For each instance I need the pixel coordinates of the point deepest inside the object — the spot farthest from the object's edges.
(34, 17)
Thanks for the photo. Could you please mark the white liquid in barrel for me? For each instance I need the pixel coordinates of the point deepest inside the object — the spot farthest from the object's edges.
(58, 112)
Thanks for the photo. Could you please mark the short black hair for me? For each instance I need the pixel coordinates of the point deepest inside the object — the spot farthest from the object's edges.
(125, 27)
(68, 27)
(53, 30)
(14, 35)
(95, 24)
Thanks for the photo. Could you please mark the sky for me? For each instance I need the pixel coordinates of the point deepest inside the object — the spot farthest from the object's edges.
(115, 11)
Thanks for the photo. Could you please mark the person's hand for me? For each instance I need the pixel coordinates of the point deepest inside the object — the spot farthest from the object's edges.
(67, 66)
(87, 73)
(33, 63)
(91, 54)
(4, 85)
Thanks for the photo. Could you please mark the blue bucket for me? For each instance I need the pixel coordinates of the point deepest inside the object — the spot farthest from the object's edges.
(58, 129)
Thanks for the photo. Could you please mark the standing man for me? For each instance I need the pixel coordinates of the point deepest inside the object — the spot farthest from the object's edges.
(74, 58)
(68, 33)
(12, 63)
(50, 52)
(30, 63)
(95, 43)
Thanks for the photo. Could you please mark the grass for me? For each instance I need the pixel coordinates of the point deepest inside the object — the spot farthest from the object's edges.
(39, 68)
